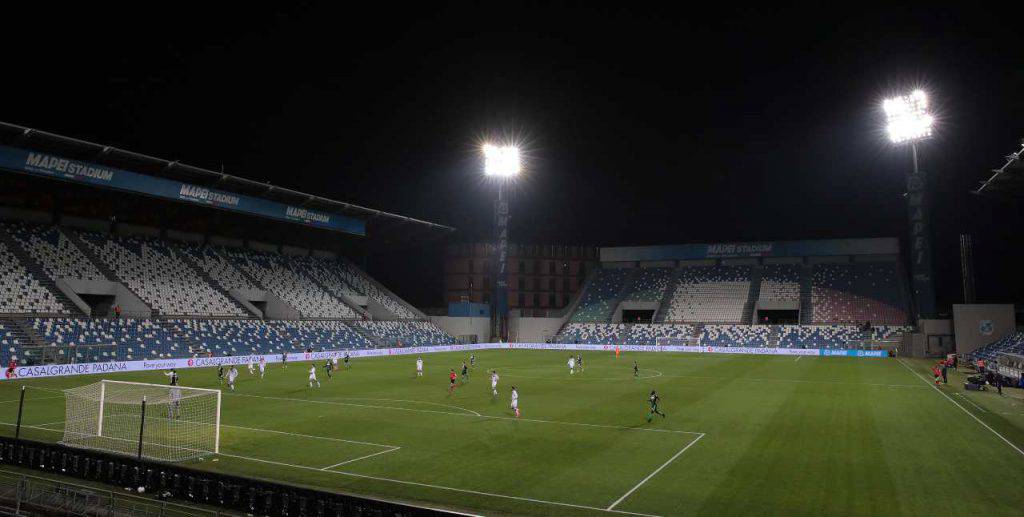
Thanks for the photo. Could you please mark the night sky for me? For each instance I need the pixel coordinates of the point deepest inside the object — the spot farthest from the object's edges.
(642, 126)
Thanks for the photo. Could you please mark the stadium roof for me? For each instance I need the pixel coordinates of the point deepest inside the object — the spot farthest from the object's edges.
(380, 221)
(1008, 179)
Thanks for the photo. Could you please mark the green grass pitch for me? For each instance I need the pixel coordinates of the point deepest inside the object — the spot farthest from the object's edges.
(744, 434)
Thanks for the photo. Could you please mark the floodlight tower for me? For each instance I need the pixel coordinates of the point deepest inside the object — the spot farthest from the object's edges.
(908, 121)
(501, 164)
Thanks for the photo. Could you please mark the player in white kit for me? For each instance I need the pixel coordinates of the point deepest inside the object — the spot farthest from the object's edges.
(515, 401)
(232, 375)
(419, 367)
(252, 367)
(263, 366)
(312, 376)
(494, 383)
(572, 365)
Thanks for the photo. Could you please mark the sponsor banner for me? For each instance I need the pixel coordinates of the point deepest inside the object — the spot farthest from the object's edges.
(829, 247)
(854, 353)
(61, 370)
(51, 166)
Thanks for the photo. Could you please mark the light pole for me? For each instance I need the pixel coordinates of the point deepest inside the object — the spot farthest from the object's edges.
(908, 121)
(502, 164)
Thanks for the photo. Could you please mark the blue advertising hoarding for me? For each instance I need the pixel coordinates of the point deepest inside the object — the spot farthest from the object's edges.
(57, 167)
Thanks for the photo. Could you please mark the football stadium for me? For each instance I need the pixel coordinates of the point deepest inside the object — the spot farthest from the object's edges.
(182, 339)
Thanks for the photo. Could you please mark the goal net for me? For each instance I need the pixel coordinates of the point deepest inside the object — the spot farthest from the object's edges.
(173, 423)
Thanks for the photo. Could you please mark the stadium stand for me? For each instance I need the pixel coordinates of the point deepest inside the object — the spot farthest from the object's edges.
(737, 335)
(97, 340)
(324, 335)
(1010, 344)
(623, 333)
(58, 255)
(154, 271)
(356, 278)
(710, 294)
(854, 293)
(288, 281)
(220, 269)
(600, 296)
(21, 292)
(780, 283)
(649, 285)
(235, 337)
(405, 333)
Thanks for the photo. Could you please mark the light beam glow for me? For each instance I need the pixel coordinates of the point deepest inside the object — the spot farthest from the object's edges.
(502, 161)
(908, 117)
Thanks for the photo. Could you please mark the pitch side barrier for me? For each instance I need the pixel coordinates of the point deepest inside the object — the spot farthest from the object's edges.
(61, 370)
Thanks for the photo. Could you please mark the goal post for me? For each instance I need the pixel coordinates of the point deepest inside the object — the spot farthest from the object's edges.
(180, 423)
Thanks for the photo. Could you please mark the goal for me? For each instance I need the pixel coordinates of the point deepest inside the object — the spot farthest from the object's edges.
(167, 423)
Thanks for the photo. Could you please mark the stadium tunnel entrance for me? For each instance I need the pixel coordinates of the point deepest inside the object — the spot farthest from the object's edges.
(778, 316)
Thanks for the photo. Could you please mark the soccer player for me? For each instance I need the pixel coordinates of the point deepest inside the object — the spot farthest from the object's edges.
(232, 375)
(312, 376)
(636, 369)
(419, 367)
(174, 409)
(329, 367)
(334, 362)
(572, 365)
(173, 377)
(346, 361)
(263, 366)
(515, 401)
(252, 367)
(220, 373)
(494, 383)
(284, 359)
(472, 360)
(654, 399)
(11, 366)
(465, 372)
(579, 362)
(451, 381)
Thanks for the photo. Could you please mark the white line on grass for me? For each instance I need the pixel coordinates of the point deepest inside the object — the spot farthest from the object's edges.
(797, 358)
(307, 435)
(955, 403)
(439, 487)
(971, 402)
(652, 474)
(490, 417)
(33, 399)
(393, 449)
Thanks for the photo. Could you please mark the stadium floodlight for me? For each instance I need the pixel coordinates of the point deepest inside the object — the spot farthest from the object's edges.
(501, 161)
(908, 118)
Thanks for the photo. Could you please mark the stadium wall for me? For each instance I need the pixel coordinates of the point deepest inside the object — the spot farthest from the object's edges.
(534, 330)
(976, 325)
(465, 329)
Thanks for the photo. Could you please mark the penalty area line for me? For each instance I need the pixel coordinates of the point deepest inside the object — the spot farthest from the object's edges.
(438, 487)
(957, 404)
(612, 506)
(393, 449)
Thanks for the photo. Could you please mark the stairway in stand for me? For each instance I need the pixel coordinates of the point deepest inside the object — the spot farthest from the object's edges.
(37, 271)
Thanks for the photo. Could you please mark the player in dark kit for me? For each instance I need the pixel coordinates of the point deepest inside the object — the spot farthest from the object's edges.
(465, 372)
(284, 359)
(329, 367)
(636, 369)
(472, 360)
(654, 399)
(346, 361)
(220, 373)
(579, 362)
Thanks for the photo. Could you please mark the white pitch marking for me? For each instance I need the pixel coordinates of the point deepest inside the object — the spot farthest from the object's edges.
(652, 474)
(307, 436)
(439, 487)
(797, 358)
(393, 449)
(971, 402)
(955, 403)
(490, 417)
(413, 401)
